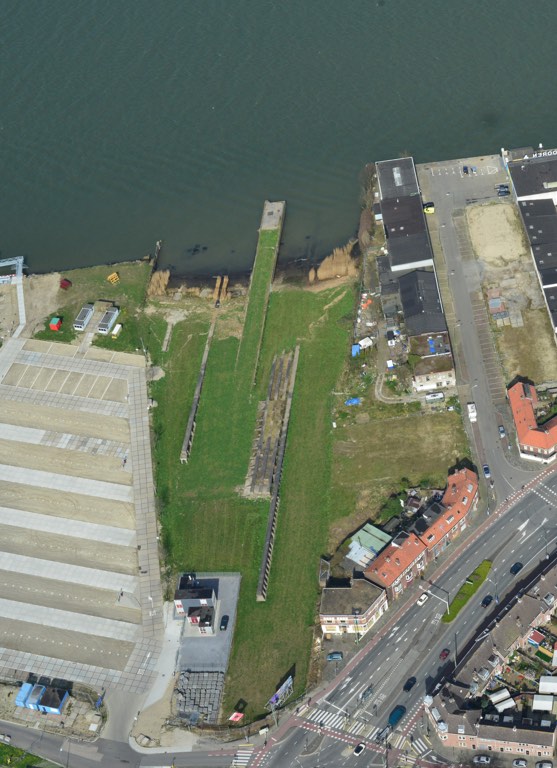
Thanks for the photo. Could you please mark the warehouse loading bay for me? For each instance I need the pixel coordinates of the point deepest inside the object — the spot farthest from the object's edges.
(80, 595)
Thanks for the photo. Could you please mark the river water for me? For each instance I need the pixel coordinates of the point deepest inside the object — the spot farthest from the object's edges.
(125, 122)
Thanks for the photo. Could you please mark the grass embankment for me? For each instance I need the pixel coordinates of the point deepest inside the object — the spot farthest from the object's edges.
(207, 525)
(469, 588)
(260, 286)
(90, 285)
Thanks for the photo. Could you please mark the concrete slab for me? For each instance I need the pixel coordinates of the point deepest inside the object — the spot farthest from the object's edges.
(52, 593)
(58, 419)
(111, 580)
(71, 506)
(107, 534)
(54, 643)
(95, 626)
(39, 478)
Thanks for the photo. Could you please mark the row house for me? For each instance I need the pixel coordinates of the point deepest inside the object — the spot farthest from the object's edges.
(399, 564)
(535, 442)
(443, 521)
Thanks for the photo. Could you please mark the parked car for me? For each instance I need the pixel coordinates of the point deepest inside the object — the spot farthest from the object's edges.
(5, 738)
(502, 432)
(445, 653)
(474, 168)
(482, 759)
(520, 763)
(516, 568)
(488, 599)
(544, 764)
(422, 599)
(465, 170)
(224, 622)
(335, 656)
(409, 684)
(359, 748)
(487, 473)
(429, 208)
(503, 192)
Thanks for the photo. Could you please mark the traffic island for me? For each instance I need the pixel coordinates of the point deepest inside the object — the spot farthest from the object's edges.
(467, 590)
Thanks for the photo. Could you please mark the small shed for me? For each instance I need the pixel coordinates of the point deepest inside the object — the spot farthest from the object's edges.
(65, 283)
(55, 323)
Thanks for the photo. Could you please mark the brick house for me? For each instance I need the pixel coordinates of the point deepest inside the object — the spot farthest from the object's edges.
(351, 609)
(398, 565)
(538, 443)
(443, 521)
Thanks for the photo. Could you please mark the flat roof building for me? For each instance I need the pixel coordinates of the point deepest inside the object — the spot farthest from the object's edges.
(421, 303)
(352, 609)
(406, 233)
(534, 173)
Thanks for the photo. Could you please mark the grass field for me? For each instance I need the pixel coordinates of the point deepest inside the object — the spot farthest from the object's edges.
(18, 757)
(380, 447)
(208, 526)
(90, 285)
(469, 588)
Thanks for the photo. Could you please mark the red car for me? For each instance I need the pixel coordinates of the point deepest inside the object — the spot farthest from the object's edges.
(444, 654)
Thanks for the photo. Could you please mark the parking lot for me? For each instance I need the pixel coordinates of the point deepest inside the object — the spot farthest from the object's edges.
(80, 594)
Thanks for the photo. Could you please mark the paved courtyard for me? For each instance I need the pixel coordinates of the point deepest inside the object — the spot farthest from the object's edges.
(80, 594)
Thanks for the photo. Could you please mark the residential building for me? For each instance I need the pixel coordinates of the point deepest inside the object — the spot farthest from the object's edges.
(351, 609)
(435, 370)
(398, 565)
(535, 442)
(455, 710)
(442, 521)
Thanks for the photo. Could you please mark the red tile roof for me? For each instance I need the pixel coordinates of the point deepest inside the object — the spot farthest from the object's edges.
(460, 494)
(522, 399)
(391, 563)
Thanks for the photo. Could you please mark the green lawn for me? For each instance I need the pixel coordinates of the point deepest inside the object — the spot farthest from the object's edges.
(17, 757)
(208, 526)
(469, 588)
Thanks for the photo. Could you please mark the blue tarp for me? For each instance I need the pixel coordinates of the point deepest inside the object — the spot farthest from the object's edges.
(352, 401)
(355, 350)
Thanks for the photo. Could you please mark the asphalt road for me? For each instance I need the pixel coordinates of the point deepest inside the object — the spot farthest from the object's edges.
(479, 372)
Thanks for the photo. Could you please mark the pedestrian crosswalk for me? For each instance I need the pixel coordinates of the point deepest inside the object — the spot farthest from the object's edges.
(242, 757)
(339, 721)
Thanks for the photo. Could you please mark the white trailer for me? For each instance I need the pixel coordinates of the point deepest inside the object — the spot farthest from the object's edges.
(472, 413)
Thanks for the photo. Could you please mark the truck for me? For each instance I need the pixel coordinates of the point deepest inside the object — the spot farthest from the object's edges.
(472, 413)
